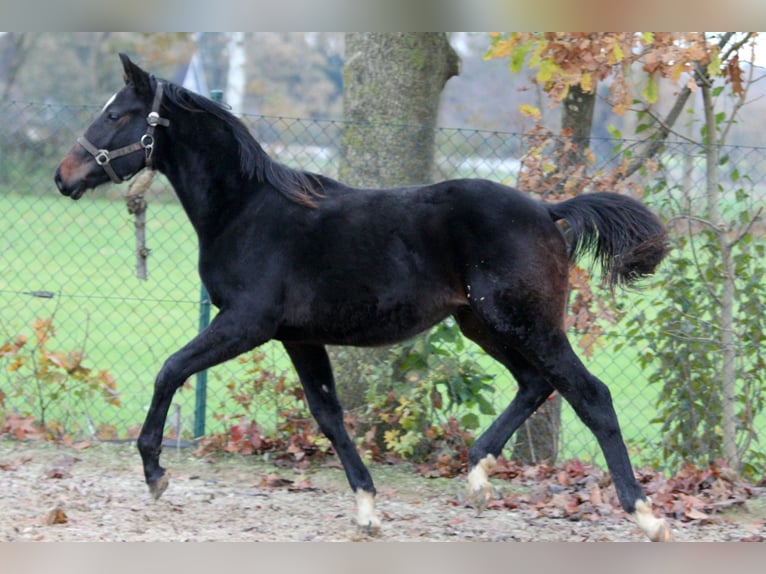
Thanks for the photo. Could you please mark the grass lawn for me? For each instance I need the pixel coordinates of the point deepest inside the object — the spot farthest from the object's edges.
(84, 252)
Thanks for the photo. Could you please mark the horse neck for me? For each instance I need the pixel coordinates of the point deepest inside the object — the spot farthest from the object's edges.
(206, 176)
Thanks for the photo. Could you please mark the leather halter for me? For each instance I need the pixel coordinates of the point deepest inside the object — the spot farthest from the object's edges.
(104, 157)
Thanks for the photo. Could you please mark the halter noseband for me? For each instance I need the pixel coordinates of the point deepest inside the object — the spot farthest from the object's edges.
(104, 157)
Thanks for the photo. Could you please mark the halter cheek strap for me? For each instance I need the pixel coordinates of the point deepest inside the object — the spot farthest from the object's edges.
(104, 157)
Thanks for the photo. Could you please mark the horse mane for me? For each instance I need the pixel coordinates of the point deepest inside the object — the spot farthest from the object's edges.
(298, 186)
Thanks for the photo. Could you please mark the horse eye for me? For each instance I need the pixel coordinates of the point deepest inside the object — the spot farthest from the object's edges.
(113, 116)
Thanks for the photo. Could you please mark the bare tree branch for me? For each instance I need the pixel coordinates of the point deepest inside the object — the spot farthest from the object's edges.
(741, 236)
(658, 139)
(666, 125)
(741, 100)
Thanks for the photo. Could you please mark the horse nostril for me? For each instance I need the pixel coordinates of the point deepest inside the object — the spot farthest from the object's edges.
(59, 182)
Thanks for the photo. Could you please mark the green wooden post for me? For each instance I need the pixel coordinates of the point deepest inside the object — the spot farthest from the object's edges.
(200, 403)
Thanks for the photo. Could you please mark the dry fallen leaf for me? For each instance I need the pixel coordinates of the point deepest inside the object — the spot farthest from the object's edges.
(274, 481)
(56, 516)
(58, 473)
(595, 496)
(694, 514)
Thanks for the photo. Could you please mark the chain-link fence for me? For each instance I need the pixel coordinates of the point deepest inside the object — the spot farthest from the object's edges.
(74, 263)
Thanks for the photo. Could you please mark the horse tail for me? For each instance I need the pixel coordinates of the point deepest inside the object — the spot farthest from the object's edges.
(624, 237)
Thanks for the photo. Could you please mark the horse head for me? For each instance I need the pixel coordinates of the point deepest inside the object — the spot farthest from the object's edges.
(121, 140)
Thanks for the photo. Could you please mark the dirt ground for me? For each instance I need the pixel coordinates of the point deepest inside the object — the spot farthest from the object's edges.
(57, 493)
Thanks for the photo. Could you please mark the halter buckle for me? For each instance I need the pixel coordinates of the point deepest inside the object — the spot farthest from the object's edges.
(147, 141)
(154, 119)
(102, 157)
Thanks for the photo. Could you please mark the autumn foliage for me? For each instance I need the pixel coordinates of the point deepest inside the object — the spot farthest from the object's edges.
(578, 491)
(51, 384)
(565, 59)
(293, 438)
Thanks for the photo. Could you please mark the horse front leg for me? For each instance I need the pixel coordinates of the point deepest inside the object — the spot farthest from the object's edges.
(315, 372)
(227, 336)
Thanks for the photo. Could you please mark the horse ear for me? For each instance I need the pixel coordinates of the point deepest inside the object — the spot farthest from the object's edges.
(135, 75)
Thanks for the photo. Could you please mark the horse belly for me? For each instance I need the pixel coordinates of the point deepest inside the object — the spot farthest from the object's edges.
(379, 281)
(369, 321)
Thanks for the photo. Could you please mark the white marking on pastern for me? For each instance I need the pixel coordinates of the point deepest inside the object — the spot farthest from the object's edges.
(655, 528)
(365, 512)
(479, 488)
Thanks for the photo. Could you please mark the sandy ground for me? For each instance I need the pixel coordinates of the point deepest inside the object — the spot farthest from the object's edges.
(57, 493)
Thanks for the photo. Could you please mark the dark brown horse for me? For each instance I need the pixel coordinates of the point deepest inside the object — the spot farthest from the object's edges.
(309, 261)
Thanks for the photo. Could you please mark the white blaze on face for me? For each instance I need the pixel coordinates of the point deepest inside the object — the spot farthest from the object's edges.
(108, 102)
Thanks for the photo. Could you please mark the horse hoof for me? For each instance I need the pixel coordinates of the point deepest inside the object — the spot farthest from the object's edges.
(661, 533)
(367, 523)
(157, 487)
(372, 528)
(480, 497)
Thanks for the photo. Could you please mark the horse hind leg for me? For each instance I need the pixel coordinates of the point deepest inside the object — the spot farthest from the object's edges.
(315, 372)
(542, 360)
(533, 390)
(592, 402)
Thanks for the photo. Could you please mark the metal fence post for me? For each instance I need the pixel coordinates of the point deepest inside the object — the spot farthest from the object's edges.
(200, 402)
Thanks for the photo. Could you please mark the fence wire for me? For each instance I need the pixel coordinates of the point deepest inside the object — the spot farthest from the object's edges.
(74, 263)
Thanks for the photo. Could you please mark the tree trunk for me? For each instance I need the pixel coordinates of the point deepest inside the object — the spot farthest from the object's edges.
(235, 76)
(392, 85)
(577, 122)
(726, 317)
(17, 48)
(538, 438)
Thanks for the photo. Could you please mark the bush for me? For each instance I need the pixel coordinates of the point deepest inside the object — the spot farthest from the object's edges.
(51, 388)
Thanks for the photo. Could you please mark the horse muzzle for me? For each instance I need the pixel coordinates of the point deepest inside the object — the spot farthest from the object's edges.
(75, 192)
(74, 174)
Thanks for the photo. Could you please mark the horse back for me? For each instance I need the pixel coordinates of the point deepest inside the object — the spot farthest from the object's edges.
(377, 266)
